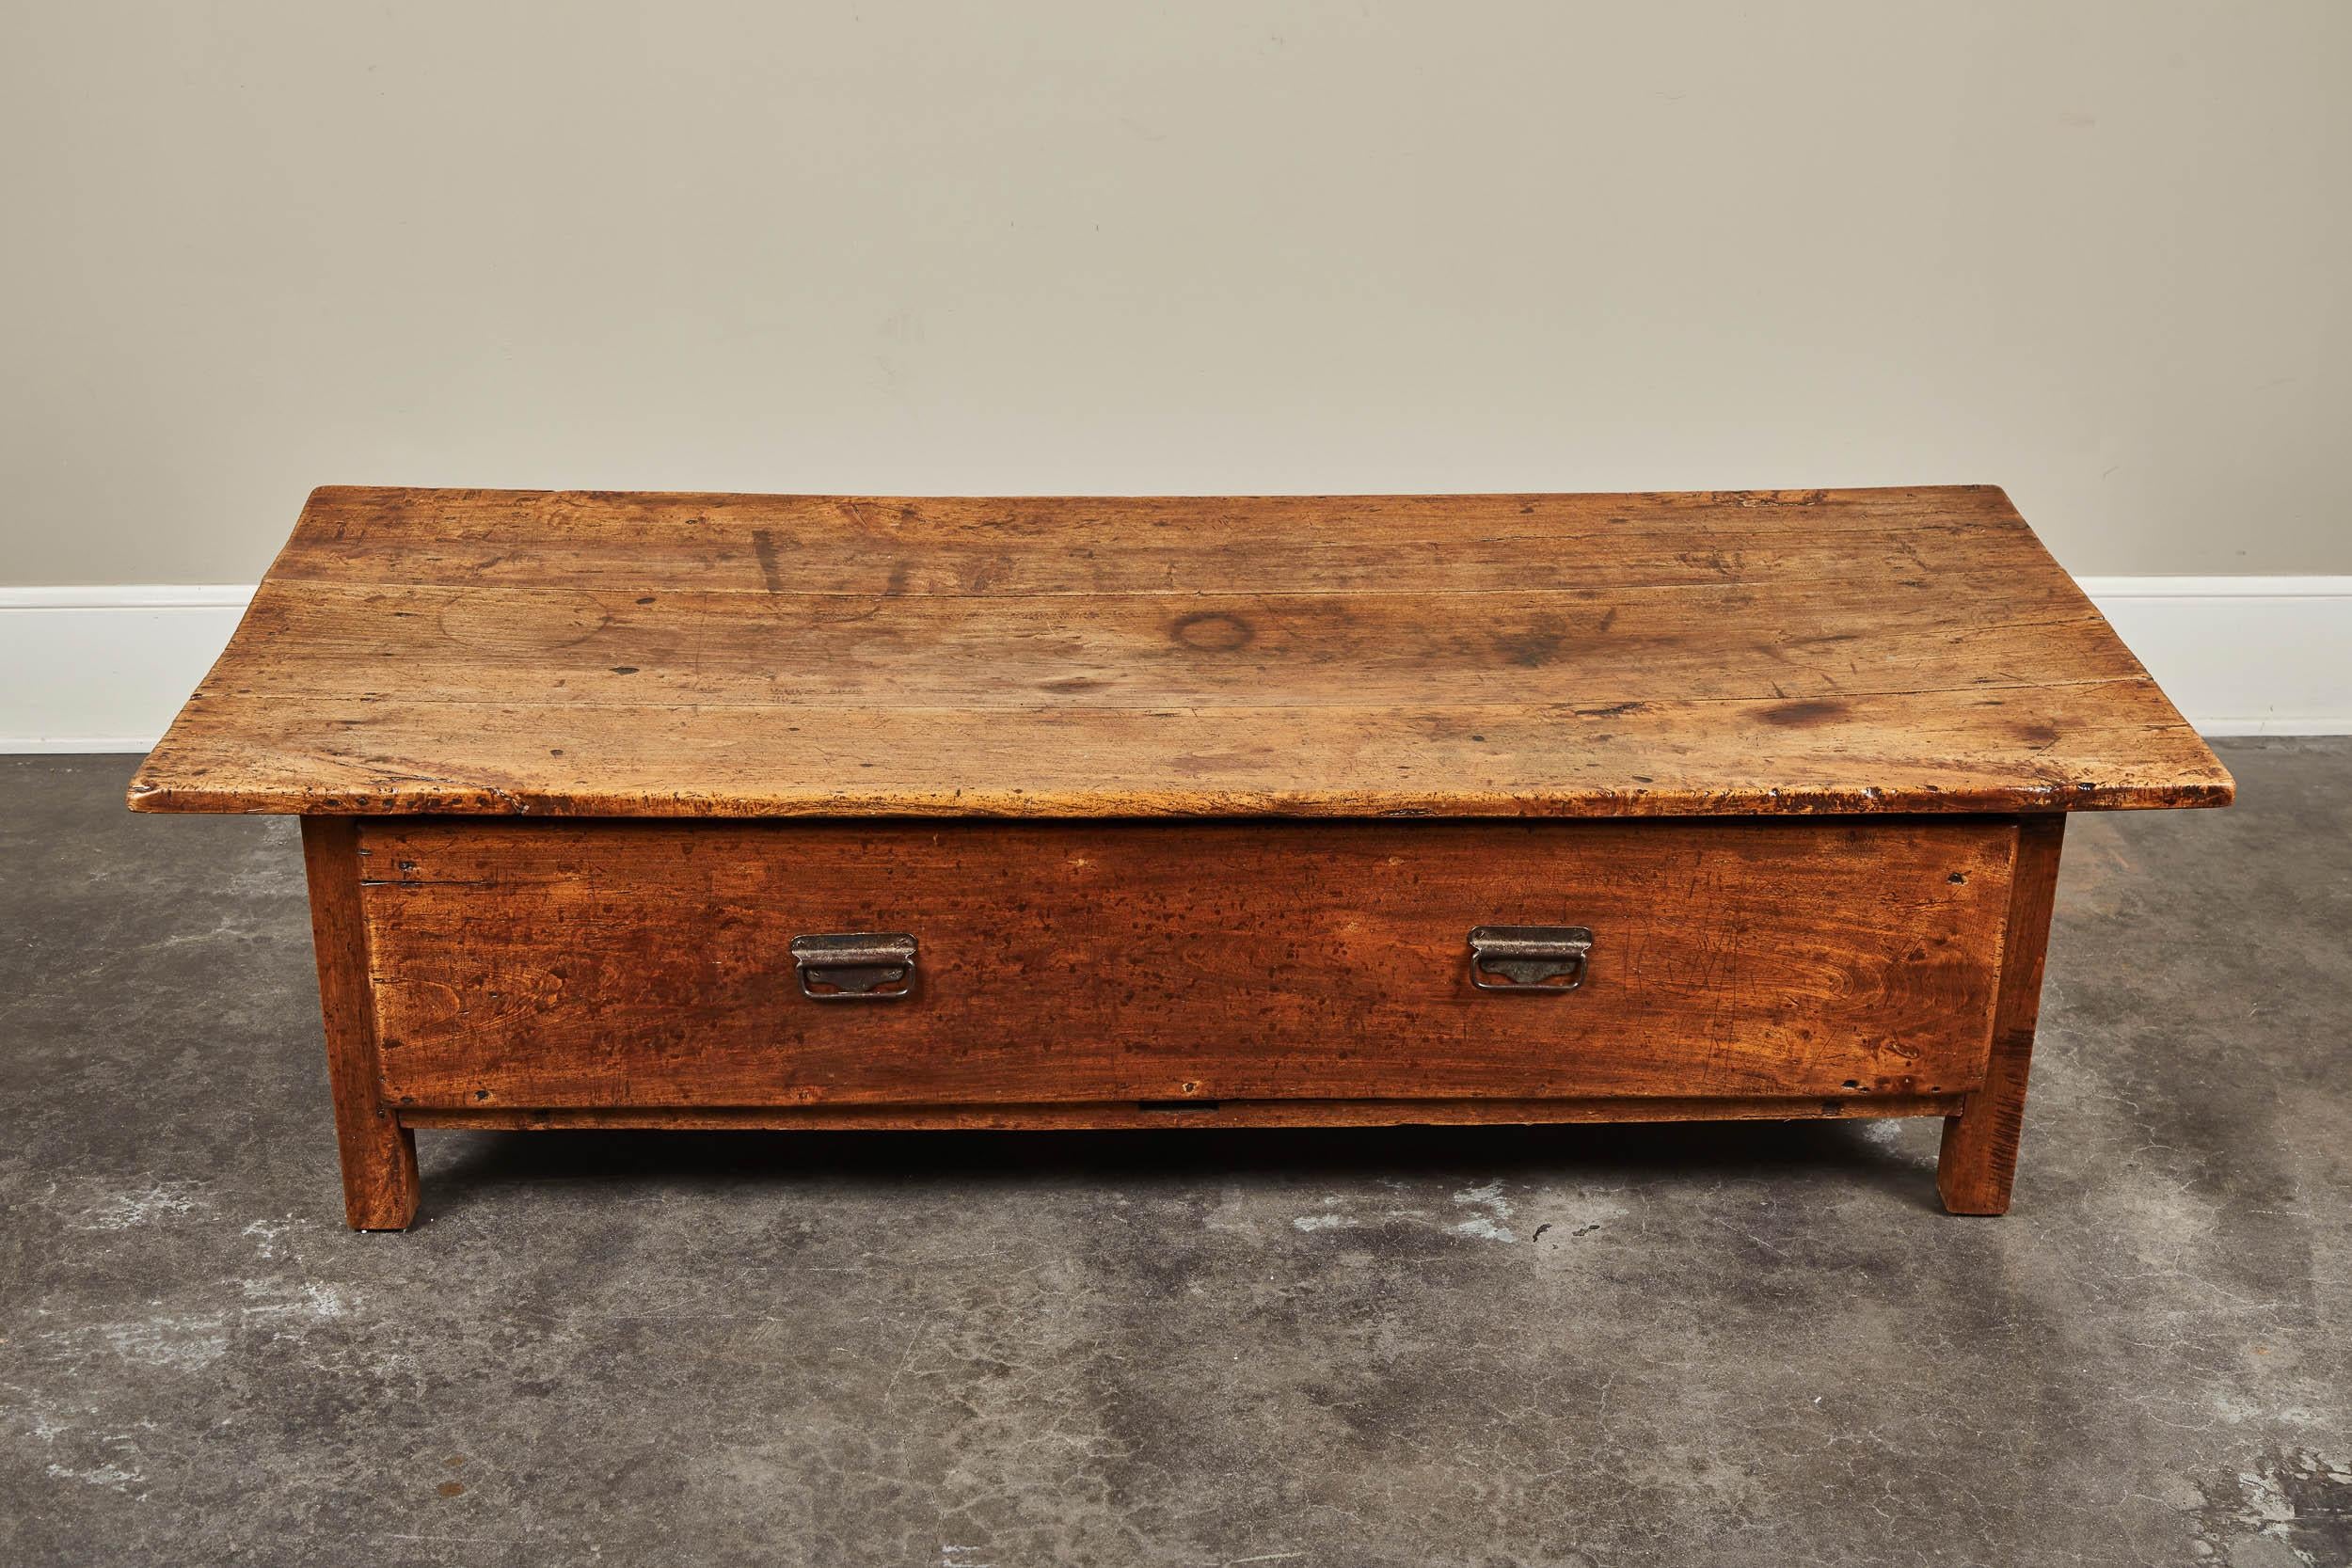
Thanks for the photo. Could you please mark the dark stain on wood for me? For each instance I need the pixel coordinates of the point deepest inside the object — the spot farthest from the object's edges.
(1216, 631)
(1815, 711)
(1535, 646)
(764, 547)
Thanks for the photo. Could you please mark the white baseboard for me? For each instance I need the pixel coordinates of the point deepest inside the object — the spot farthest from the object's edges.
(103, 669)
(2241, 656)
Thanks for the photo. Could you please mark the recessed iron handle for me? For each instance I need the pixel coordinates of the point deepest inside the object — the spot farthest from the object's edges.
(855, 966)
(1548, 959)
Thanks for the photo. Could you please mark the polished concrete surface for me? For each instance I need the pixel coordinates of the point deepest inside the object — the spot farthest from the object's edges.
(1572, 1346)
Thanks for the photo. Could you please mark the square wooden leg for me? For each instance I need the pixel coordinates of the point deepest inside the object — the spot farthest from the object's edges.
(379, 1155)
(1979, 1155)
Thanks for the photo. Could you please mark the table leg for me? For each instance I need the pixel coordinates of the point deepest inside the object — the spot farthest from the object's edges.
(1979, 1154)
(379, 1156)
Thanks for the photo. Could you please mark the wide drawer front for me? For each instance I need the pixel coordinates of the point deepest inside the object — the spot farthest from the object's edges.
(641, 963)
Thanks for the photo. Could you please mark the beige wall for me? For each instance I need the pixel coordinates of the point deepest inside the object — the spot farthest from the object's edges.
(2097, 252)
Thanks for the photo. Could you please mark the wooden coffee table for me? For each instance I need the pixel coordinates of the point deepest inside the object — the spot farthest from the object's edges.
(762, 811)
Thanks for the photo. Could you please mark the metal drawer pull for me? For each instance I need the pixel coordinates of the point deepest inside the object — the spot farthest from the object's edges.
(1530, 957)
(855, 966)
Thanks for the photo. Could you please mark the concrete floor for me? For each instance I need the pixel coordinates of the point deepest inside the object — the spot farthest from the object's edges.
(1687, 1346)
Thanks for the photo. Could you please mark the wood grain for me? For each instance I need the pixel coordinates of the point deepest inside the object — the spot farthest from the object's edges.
(573, 654)
(639, 964)
(1082, 652)
(1978, 1161)
(379, 1155)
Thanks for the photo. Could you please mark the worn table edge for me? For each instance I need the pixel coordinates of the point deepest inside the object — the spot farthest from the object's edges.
(491, 801)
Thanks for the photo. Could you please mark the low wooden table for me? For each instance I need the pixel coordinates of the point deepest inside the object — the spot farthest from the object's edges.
(762, 811)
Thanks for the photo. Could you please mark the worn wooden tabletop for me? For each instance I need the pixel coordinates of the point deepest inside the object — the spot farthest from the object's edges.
(504, 651)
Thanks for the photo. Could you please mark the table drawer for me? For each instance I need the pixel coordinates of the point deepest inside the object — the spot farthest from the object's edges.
(643, 963)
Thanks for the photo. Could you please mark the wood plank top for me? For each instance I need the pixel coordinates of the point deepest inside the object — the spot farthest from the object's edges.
(677, 654)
